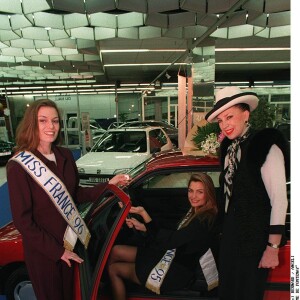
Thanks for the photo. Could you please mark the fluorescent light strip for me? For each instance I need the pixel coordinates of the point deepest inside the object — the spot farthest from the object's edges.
(84, 86)
(137, 65)
(141, 50)
(31, 87)
(217, 63)
(183, 50)
(103, 85)
(237, 82)
(12, 88)
(250, 49)
(58, 87)
(252, 62)
(101, 90)
(134, 84)
(21, 93)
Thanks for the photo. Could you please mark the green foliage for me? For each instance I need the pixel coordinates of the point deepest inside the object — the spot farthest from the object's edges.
(263, 116)
(203, 132)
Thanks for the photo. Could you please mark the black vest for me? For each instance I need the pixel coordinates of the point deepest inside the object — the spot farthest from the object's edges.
(250, 201)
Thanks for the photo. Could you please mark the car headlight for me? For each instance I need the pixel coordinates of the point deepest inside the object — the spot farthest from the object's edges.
(121, 171)
(81, 170)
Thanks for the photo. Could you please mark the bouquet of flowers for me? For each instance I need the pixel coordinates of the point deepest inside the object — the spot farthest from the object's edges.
(211, 144)
(208, 138)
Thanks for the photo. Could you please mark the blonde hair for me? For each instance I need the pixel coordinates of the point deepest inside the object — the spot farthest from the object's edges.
(27, 133)
(210, 209)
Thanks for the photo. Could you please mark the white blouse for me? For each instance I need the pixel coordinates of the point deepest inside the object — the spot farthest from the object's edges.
(273, 176)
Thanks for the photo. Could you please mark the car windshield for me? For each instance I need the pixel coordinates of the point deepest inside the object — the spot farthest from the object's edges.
(148, 123)
(138, 169)
(163, 124)
(94, 124)
(122, 141)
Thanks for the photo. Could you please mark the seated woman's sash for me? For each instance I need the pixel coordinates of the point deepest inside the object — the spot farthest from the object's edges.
(59, 196)
(207, 263)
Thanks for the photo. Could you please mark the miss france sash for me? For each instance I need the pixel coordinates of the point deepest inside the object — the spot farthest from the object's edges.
(207, 263)
(59, 196)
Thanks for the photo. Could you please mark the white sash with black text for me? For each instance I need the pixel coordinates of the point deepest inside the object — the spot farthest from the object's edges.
(59, 196)
(206, 261)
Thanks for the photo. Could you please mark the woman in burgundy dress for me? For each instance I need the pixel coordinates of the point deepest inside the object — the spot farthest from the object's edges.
(43, 228)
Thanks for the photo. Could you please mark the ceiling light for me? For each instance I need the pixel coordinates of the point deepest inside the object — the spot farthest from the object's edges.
(142, 50)
(137, 65)
(252, 49)
(31, 87)
(252, 62)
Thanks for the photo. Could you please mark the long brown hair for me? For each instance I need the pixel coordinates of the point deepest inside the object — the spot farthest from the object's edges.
(210, 209)
(27, 133)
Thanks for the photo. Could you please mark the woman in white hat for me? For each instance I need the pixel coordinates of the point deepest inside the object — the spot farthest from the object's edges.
(254, 203)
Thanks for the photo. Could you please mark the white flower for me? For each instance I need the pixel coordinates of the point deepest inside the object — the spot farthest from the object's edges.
(211, 144)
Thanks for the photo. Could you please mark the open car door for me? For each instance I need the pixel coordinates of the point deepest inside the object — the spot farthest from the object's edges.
(104, 219)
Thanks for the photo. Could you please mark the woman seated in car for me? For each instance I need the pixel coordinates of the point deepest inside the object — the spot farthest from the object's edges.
(169, 258)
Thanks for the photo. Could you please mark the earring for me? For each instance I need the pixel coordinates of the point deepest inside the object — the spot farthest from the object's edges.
(247, 124)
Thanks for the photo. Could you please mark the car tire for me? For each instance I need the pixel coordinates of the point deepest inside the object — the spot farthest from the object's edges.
(16, 277)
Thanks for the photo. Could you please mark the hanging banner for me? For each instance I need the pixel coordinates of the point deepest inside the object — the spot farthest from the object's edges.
(181, 111)
(190, 102)
(85, 126)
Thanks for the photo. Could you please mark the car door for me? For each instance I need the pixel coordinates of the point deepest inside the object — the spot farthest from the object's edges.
(104, 219)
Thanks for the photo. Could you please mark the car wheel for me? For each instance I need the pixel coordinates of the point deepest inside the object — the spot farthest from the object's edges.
(14, 279)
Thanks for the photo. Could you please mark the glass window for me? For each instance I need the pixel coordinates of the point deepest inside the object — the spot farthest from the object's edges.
(122, 141)
(165, 195)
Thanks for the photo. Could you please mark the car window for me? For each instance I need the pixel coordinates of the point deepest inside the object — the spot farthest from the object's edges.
(163, 125)
(161, 136)
(175, 180)
(164, 193)
(122, 141)
(157, 139)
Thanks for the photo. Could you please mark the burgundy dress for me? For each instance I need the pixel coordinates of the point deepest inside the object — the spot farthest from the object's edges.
(41, 225)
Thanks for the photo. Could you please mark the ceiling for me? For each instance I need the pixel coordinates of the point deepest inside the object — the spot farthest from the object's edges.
(119, 42)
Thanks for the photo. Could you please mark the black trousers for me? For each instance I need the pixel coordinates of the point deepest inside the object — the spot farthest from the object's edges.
(240, 279)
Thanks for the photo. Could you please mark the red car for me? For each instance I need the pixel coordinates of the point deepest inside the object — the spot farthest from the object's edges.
(160, 186)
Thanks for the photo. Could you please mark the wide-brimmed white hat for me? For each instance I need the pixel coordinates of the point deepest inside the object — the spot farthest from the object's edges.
(229, 96)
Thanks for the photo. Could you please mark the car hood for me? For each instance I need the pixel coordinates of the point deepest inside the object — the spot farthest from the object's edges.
(108, 162)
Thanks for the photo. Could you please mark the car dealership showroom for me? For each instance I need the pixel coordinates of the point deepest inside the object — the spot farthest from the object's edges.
(133, 81)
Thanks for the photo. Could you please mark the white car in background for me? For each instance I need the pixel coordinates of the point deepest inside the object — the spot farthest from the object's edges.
(120, 150)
